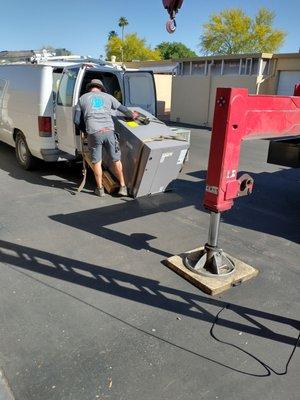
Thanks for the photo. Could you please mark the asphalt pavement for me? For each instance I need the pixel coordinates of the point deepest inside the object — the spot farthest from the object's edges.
(89, 311)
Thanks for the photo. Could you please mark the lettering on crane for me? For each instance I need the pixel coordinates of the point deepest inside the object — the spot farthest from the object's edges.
(212, 189)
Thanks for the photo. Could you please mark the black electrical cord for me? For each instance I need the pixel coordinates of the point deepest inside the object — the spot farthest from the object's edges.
(268, 373)
(263, 364)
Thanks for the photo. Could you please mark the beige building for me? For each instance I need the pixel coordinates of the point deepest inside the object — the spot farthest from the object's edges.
(187, 87)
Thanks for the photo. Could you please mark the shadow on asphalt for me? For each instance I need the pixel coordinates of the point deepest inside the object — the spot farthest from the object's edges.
(273, 208)
(277, 216)
(141, 290)
(98, 220)
(67, 175)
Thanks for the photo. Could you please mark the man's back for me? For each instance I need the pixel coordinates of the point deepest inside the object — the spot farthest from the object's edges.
(96, 108)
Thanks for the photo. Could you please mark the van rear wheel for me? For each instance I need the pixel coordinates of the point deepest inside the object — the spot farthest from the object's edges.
(24, 158)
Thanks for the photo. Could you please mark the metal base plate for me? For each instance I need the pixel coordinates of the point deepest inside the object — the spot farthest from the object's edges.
(201, 264)
(212, 285)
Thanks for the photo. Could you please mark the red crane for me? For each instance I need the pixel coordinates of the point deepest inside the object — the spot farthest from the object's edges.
(238, 116)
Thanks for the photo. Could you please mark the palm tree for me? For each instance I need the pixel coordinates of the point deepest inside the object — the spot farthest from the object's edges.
(122, 23)
(112, 34)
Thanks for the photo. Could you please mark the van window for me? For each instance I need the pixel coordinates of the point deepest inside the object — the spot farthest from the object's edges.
(3, 87)
(56, 76)
(66, 88)
(110, 82)
(140, 88)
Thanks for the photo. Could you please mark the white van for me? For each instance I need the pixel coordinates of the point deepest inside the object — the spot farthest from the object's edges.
(37, 104)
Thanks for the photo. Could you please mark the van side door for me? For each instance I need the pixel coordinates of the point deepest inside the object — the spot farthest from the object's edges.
(66, 100)
(140, 91)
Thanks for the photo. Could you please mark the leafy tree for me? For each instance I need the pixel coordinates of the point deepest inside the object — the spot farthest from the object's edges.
(112, 34)
(47, 47)
(234, 32)
(169, 50)
(131, 48)
(62, 52)
(122, 23)
(58, 51)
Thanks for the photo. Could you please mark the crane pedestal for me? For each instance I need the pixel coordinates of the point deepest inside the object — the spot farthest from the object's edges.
(212, 261)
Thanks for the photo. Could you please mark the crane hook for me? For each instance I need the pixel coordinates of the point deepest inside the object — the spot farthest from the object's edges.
(172, 6)
(171, 26)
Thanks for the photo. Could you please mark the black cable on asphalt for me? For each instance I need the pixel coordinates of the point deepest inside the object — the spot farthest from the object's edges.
(262, 363)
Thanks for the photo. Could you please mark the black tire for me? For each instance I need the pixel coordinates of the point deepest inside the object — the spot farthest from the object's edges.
(24, 158)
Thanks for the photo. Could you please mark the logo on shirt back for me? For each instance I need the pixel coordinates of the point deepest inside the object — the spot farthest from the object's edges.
(97, 103)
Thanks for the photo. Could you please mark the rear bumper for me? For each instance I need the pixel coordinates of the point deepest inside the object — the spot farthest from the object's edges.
(52, 155)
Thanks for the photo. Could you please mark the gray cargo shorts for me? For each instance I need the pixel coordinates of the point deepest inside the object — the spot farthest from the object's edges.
(107, 139)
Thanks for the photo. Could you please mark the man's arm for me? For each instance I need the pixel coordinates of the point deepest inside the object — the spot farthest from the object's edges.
(116, 105)
(128, 113)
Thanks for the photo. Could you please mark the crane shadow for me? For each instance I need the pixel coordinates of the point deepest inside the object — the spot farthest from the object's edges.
(142, 290)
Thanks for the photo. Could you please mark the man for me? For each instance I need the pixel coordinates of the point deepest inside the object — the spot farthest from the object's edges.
(96, 107)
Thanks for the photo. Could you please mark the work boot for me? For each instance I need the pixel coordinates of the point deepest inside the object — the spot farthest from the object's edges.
(123, 191)
(99, 192)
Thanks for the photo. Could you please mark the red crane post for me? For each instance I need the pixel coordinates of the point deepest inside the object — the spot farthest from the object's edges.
(238, 116)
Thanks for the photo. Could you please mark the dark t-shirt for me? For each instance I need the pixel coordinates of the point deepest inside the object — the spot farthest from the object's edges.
(96, 109)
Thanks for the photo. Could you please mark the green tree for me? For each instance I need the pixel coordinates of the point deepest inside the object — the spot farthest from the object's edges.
(122, 23)
(48, 47)
(171, 50)
(131, 48)
(61, 51)
(112, 34)
(234, 32)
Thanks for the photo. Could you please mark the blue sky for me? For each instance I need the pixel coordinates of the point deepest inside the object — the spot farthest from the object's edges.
(82, 26)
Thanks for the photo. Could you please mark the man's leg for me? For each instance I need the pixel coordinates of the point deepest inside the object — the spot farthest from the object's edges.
(97, 169)
(95, 146)
(119, 172)
(113, 148)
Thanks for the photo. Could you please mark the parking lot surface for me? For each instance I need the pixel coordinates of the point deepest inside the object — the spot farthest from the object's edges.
(88, 310)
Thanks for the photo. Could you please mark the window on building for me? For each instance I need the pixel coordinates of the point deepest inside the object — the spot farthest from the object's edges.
(231, 67)
(198, 68)
(186, 68)
(254, 66)
(177, 70)
(246, 66)
(216, 67)
(266, 67)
